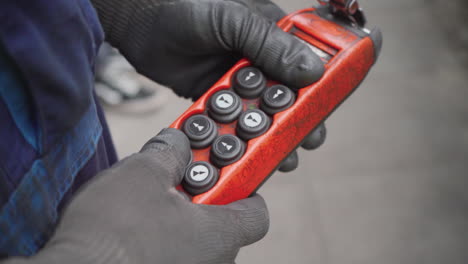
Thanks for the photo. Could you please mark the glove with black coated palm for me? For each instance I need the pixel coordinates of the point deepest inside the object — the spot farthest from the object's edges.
(188, 45)
(133, 214)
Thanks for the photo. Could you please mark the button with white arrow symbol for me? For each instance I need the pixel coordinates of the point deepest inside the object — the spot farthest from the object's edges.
(198, 126)
(253, 119)
(226, 145)
(249, 82)
(199, 177)
(226, 149)
(224, 100)
(276, 99)
(201, 131)
(252, 123)
(225, 106)
(278, 93)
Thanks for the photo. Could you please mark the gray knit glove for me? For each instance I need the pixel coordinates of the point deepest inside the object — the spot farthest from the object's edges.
(132, 214)
(189, 44)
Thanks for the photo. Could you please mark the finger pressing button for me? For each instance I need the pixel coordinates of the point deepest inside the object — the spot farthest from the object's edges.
(276, 99)
(226, 149)
(201, 131)
(249, 82)
(199, 177)
(225, 106)
(252, 123)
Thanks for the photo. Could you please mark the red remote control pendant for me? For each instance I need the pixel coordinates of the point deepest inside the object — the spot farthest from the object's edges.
(245, 126)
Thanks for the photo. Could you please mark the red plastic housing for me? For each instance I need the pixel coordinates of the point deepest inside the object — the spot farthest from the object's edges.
(351, 58)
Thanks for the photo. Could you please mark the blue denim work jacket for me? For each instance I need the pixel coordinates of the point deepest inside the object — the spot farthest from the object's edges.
(53, 135)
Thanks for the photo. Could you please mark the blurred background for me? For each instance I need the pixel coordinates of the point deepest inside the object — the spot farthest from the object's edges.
(390, 184)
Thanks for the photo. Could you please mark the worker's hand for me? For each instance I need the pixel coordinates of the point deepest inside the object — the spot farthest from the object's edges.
(132, 213)
(189, 44)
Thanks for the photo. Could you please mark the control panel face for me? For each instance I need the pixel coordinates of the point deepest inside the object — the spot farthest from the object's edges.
(247, 126)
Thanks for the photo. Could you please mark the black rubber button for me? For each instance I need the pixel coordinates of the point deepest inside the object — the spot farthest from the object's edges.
(199, 177)
(276, 99)
(249, 82)
(252, 123)
(289, 163)
(201, 131)
(225, 106)
(226, 149)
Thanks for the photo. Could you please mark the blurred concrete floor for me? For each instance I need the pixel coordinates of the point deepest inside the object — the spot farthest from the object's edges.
(390, 185)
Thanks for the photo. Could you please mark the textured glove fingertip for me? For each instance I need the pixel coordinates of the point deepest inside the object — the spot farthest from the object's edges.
(168, 137)
(171, 147)
(309, 69)
(253, 219)
(288, 60)
(280, 55)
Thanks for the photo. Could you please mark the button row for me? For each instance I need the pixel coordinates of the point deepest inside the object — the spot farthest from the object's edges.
(201, 176)
(225, 106)
(202, 131)
(249, 83)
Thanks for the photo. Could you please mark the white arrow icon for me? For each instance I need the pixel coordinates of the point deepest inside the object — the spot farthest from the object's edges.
(224, 100)
(249, 117)
(228, 147)
(199, 173)
(278, 93)
(251, 74)
(253, 119)
(200, 128)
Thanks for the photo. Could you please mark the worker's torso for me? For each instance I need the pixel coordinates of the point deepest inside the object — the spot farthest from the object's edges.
(53, 136)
